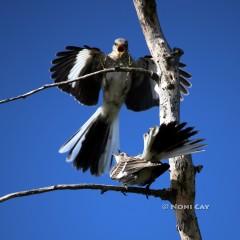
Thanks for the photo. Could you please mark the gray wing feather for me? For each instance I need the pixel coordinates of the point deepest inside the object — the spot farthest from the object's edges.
(142, 94)
(185, 84)
(130, 165)
(75, 62)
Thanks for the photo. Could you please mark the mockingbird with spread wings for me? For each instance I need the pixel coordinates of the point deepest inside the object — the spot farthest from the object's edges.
(167, 141)
(92, 146)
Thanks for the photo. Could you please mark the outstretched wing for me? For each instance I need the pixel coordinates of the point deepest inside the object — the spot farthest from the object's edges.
(129, 165)
(135, 165)
(171, 140)
(185, 84)
(143, 92)
(126, 166)
(75, 62)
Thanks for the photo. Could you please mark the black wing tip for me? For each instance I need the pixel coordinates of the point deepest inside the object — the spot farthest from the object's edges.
(185, 82)
(182, 125)
(184, 74)
(174, 135)
(78, 167)
(73, 48)
(179, 129)
(172, 123)
(91, 48)
(184, 90)
(181, 65)
(76, 48)
(147, 56)
(55, 61)
(165, 165)
(52, 69)
(199, 140)
(178, 126)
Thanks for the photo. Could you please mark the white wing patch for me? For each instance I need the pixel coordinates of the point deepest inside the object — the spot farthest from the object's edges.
(81, 61)
(80, 135)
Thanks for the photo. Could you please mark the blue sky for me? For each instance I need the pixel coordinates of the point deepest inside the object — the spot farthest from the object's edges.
(32, 130)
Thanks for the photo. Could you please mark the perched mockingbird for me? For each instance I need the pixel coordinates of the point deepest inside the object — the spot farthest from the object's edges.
(95, 142)
(167, 141)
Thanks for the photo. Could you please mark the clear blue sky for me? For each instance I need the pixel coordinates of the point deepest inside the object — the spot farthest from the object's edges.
(32, 130)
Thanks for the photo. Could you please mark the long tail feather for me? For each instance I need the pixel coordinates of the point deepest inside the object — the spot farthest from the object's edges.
(75, 138)
(171, 140)
(93, 145)
(112, 146)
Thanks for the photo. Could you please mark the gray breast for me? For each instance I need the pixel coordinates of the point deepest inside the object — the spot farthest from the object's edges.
(116, 84)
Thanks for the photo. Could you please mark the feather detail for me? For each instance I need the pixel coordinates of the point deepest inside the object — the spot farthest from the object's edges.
(167, 141)
(75, 62)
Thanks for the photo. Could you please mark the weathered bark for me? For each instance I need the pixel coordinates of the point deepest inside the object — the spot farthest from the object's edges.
(182, 172)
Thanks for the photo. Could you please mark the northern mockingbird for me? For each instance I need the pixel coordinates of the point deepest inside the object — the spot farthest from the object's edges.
(92, 146)
(167, 141)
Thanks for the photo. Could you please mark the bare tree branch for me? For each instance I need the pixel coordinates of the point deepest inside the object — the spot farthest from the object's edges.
(182, 172)
(164, 194)
(152, 74)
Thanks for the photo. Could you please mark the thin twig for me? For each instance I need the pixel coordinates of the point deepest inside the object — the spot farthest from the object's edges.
(152, 74)
(164, 194)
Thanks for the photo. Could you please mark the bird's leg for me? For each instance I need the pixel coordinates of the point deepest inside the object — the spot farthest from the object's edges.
(198, 168)
(147, 189)
(117, 68)
(126, 188)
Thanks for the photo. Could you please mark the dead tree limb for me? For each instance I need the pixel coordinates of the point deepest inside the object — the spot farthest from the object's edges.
(182, 170)
(164, 194)
(152, 74)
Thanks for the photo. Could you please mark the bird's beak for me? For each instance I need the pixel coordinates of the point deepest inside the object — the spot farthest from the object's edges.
(121, 49)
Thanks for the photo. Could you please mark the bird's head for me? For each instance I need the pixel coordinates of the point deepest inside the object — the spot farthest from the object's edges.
(120, 46)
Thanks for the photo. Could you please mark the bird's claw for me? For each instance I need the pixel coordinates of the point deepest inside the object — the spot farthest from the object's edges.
(123, 191)
(103, 191)
(147, 190)
(117, 68)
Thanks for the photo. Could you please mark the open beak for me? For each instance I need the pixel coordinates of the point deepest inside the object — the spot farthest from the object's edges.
(121, 49)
